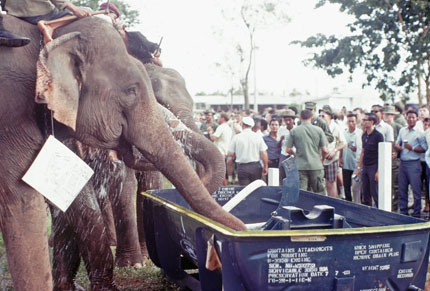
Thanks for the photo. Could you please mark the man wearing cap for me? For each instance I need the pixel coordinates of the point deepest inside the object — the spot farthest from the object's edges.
(288, 116)
(331, 162)
(247, 148)
(318, 121)
(311, 149)
(390, 115)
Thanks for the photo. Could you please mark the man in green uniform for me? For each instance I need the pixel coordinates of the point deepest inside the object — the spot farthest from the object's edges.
(311, 149)
(319, 121)
(400, 119)
(209, 117)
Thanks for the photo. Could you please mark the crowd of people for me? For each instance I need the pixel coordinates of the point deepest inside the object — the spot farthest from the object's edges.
(336, 152)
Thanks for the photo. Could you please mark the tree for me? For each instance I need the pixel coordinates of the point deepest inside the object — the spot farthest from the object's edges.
(388, 39)
(130, 15)
(248, 16)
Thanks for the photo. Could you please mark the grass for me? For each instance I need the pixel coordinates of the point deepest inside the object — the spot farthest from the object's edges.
(150, 277)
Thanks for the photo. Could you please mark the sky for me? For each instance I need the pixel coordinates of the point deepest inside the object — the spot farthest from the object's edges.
(192, 48)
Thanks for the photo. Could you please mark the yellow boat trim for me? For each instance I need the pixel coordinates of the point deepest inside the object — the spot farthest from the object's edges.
(285, 233)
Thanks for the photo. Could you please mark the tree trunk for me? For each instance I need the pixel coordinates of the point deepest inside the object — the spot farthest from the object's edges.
(427, 90)
(419, 84)
(245, 94)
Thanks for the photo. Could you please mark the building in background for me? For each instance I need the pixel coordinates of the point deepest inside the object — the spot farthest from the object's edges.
(360, 98)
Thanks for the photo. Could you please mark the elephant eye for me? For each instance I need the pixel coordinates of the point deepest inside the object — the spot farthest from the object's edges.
(132, 91)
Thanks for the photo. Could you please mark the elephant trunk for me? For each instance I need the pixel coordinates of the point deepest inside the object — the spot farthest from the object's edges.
(170, 90)
(199, 149)
(158, 146)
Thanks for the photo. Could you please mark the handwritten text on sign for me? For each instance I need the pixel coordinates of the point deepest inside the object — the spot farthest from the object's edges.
(58, 174)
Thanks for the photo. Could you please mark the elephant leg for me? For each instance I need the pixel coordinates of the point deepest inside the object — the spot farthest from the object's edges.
(66, 257)
(24, 230)
(107, 212)
(146, 181)
(128, 249)
(85, 217)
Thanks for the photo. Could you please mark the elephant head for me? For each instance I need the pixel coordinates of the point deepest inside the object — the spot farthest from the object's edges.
(95, 87)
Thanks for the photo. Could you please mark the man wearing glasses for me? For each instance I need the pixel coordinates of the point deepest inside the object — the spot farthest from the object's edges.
(368, 166)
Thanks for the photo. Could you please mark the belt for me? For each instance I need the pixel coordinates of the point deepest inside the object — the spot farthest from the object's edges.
(250, 163)
(410, 160)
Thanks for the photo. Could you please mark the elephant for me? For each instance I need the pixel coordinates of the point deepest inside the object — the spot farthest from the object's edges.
(99, 95)
(196, 147)
(115, 183)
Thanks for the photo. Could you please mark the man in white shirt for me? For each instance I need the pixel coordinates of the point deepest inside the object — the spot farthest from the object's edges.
(222, 136)
(423, 112)
(385, 129)
(247, 148)
(350, 160)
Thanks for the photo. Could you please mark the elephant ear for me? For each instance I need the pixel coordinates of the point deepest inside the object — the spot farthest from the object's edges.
(58, 83)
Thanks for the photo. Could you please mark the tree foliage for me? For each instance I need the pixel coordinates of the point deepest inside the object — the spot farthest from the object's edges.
(248, 16)
(131, 16)
(389, 39)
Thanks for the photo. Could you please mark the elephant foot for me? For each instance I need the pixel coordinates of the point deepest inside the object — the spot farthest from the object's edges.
(135, 261)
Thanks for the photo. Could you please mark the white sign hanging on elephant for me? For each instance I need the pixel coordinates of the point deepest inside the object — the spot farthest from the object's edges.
(58, 174)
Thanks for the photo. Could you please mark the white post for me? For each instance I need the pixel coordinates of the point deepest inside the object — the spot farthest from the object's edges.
(384, 175)
(273, 177)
